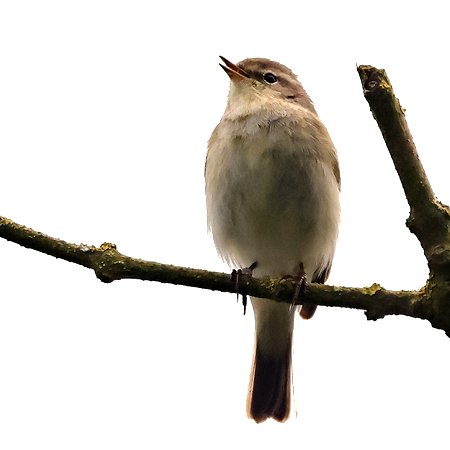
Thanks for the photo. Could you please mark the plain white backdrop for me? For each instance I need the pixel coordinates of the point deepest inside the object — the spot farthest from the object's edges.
(105, 112)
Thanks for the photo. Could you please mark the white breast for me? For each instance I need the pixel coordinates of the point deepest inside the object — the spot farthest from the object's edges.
(272, 194)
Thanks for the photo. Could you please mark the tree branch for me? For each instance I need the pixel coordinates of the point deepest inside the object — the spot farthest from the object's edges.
(390, 117)
(110, 265)
(429, 220)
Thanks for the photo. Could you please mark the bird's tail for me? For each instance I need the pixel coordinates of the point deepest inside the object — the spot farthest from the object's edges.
(269, 394)
(307, 311)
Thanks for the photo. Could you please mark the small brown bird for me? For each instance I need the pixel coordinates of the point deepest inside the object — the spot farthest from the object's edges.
(272, 195)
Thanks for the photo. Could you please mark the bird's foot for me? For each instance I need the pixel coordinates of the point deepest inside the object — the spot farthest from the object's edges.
(237, 276)
(300, 281)
(307, 310)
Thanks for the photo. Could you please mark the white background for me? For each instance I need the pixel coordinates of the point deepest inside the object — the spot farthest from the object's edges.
(105, 111)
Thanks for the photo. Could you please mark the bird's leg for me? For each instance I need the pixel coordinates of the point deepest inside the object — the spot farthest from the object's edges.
(241, 275)
(307, 310)
(300, 281)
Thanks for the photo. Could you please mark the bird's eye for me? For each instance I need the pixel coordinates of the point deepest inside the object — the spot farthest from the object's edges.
(270, 78)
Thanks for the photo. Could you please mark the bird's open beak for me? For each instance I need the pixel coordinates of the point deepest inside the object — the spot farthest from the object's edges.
(234, 72)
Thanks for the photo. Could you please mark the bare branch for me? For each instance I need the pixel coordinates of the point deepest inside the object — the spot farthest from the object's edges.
(390, 117)
(429, 220)
(110, 265)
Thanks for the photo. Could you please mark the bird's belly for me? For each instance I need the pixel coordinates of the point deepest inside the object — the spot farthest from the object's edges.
(277, 208)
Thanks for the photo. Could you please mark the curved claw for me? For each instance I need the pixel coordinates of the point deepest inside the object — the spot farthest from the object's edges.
(237, 276)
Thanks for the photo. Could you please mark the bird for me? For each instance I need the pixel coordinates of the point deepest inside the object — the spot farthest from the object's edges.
(272, 186)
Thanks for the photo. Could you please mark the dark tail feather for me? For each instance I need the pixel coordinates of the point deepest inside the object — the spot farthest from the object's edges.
(320, 276)
(307, 311)
(269, 393)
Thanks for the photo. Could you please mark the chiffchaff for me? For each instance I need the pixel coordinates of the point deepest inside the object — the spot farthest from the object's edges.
(272, 195)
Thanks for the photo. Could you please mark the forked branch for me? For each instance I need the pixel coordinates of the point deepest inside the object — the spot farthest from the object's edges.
(429, 220)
